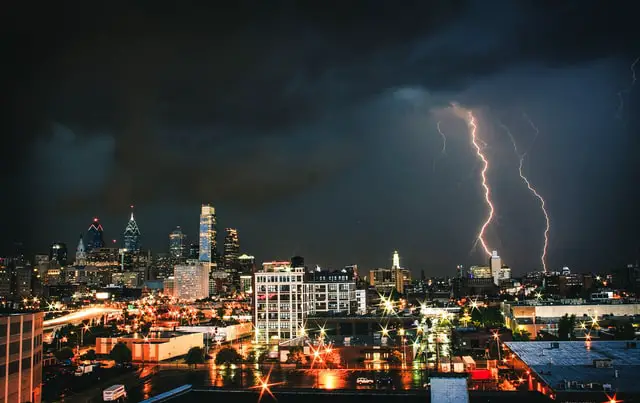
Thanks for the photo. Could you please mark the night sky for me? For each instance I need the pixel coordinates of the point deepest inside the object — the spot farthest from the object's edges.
(311, 127)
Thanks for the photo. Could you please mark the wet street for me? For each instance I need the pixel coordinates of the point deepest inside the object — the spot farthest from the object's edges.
(153, 380)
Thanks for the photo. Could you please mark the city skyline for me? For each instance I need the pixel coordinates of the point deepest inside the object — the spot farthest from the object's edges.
(319, 139)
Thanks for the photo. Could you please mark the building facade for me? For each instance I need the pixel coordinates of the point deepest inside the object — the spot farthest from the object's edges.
(157, 346)
(331, 292)
(191, 280)
(21, 357)
(279, 302)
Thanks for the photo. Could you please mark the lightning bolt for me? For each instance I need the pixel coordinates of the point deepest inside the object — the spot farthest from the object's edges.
(621, 93)
(443, 152)
(473, 128)
(524, 178)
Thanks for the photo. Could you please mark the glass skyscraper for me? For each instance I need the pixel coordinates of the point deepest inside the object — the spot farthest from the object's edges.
(207, 234)
(95, 239)
(178, 244)
(231, 250)
(132, 235)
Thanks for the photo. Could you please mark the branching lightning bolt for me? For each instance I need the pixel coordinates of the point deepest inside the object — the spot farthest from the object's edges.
(621, 93)
(521, 158)
(443, 152)
(483, 175)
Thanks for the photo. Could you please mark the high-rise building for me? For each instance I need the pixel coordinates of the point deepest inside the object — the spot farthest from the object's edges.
(81, 255)
(191, 280)
(208, 245)
(132, 235)
(95, 237)
(280, 302)
(58, 253)
(504, 274)
(178, 248)
(496, 265)
(231, 250)
(194, 251)
(21, 357)
(246, 264)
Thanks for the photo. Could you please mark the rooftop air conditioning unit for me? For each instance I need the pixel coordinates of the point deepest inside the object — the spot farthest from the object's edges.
(555, 345)
(603, 363)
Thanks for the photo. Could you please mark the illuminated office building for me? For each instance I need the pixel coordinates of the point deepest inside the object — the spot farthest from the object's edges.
(208, 245)
(178, 248)
(191, 280)
(231, 250)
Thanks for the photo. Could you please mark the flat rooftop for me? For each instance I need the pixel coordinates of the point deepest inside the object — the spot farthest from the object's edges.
(573, 361)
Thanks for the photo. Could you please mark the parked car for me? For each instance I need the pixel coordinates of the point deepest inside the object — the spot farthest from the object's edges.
(364, 381)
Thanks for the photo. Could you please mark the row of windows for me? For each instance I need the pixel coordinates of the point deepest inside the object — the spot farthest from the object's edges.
(280, 279)
(14, 366)
(14, 327)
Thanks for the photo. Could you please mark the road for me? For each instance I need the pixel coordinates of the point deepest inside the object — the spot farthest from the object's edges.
(153, 380)
(80, 315)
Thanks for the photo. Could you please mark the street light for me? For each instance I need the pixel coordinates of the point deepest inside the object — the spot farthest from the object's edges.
(496, 336)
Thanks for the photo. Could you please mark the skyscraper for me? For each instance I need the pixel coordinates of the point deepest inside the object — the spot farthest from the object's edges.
(496, 265)
(81, 255)
(58, 253)
(191, 280)
(208, 245)
(231, 249)
(178, 248)
(95, 239)
(131, 236)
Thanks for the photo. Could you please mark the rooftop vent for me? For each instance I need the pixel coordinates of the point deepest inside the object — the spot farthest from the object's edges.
(555, 345)
(603, 363)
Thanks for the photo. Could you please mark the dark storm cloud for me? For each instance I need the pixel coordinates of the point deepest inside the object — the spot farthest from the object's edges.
(251, 102)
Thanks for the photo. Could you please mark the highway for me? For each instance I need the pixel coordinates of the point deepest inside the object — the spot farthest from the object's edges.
(79, 316)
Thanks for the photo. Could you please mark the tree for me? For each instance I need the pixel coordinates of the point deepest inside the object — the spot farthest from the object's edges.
(487, 317)
(251, 356)
(395, 357)
(296, 355)
(65, 353)
(228, 355)
(195, 355)
(625, 331)
(120, 353)
(90, 355)
(566, 326)
(521, 335)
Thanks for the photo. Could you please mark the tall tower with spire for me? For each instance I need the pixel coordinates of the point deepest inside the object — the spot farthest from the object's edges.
(396, 260)
(132, 235)
(81, 255)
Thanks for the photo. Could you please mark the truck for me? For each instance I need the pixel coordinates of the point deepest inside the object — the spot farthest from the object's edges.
(84, 369)
(114, 393)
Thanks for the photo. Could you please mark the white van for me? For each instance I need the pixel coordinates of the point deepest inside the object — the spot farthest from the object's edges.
(114, 393)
